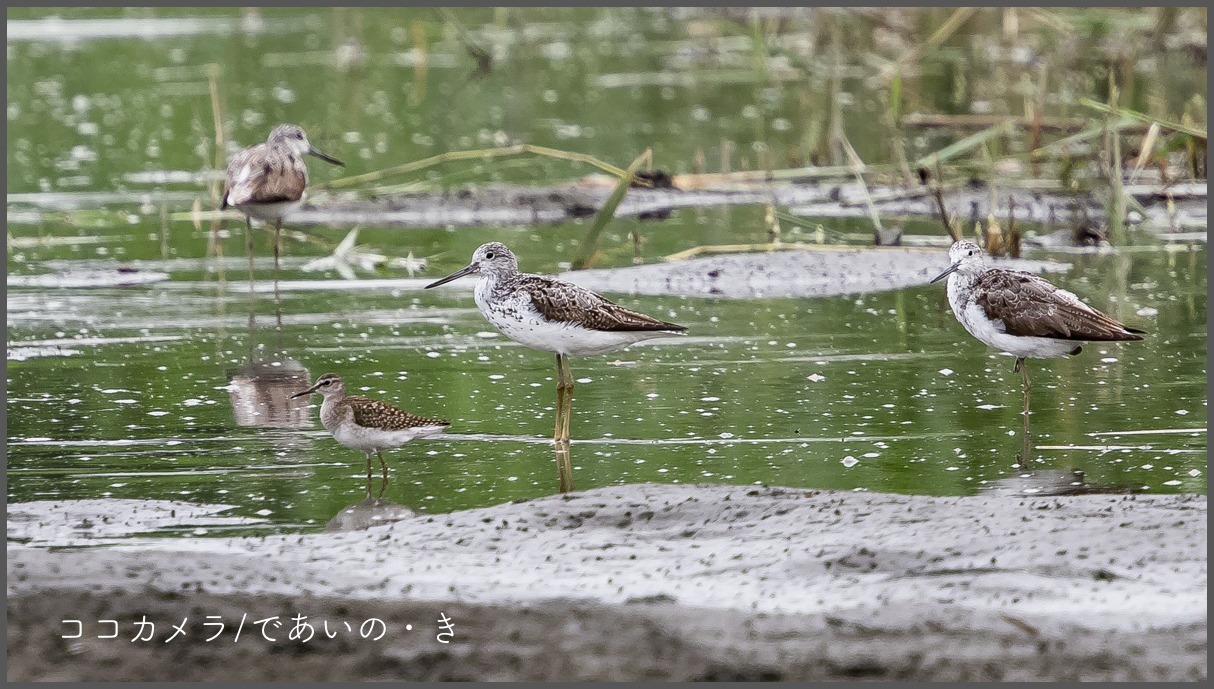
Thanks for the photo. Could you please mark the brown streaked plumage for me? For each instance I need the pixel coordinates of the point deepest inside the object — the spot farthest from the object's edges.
(264, 175)
(267, 181)
(370, 413)
(552, 315)
(361, 423)
(1021, 313)
(1028, 306)
(566, 303)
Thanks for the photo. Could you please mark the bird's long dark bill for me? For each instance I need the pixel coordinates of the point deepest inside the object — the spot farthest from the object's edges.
(945, 274)
(309, 391)
(326, 158)
(466, 270)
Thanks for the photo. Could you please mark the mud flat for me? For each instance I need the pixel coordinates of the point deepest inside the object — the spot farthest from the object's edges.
(1165, 207)
(797, 273)
(639, 581)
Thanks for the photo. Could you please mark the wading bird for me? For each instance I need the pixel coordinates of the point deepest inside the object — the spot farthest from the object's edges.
(552, 315)
(368, 425)
(267, 181)
(1023, 314)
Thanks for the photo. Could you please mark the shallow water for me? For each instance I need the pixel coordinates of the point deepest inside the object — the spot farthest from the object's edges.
(176, 389)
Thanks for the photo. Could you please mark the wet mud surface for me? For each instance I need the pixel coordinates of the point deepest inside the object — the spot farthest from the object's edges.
(648, 581)
(793, 273)
(1164, 206)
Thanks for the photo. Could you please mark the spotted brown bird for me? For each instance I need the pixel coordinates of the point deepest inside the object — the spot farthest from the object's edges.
(368, 425)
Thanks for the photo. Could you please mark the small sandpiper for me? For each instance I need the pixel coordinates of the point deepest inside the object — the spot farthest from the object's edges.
(368, 425)
(1022, 314)
(267, 181)
(553, 316)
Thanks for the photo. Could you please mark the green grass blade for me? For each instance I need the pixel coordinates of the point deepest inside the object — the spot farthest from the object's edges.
(607, 212)
(968, 143)
(1175, 126)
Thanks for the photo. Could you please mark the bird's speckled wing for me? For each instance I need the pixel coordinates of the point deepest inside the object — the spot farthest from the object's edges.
(370, 413)
(259, 174)
(564, 302)
(1029, 306)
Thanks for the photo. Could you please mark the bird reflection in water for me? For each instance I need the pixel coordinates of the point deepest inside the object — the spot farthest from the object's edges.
(367, 513)
(1053, 482)
(261, 388)
(261, 394)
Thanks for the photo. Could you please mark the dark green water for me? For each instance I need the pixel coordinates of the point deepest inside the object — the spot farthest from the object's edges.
(880, 392)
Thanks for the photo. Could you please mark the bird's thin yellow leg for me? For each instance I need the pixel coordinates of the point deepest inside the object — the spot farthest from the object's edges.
(568, 377)
(277, 253)
(368, 474)
(560, 436)
(248, 242)
(384, 465)
(1026, 432)
(248, 224)
(564, 470)
(277, 246)
(560, 403)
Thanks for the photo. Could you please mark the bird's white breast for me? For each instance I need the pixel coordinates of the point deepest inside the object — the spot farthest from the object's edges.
(269, 212)
(375, 440)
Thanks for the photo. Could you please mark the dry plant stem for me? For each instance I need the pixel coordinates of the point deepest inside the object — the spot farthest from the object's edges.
(938, 194)
(1044, 123)
(948, 28)
(1013, 232)
(1117, 203)
(1114, 111)
(164, 231)
(1145, 151)
(857, 166)
(607, 212)
(481, 154)
(836, 136)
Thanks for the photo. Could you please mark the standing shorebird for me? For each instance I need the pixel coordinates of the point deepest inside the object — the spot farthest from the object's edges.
(368, 425)
(1022, 314)
(267, 181)
(553, 316)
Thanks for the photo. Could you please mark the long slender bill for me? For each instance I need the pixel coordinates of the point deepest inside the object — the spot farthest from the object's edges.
(466, 270)
(945, 274)
(325, 157)
(309, 391)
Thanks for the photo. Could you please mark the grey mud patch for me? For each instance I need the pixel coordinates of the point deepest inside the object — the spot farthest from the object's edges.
(662, 581)
(791, 273)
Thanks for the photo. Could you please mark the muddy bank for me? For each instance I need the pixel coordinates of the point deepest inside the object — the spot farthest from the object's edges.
(796, 273)
(1165, 208)
(662, 581)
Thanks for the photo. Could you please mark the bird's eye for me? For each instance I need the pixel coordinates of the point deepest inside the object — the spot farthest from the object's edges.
(298, 135)
(325, 382)
(490, 255)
